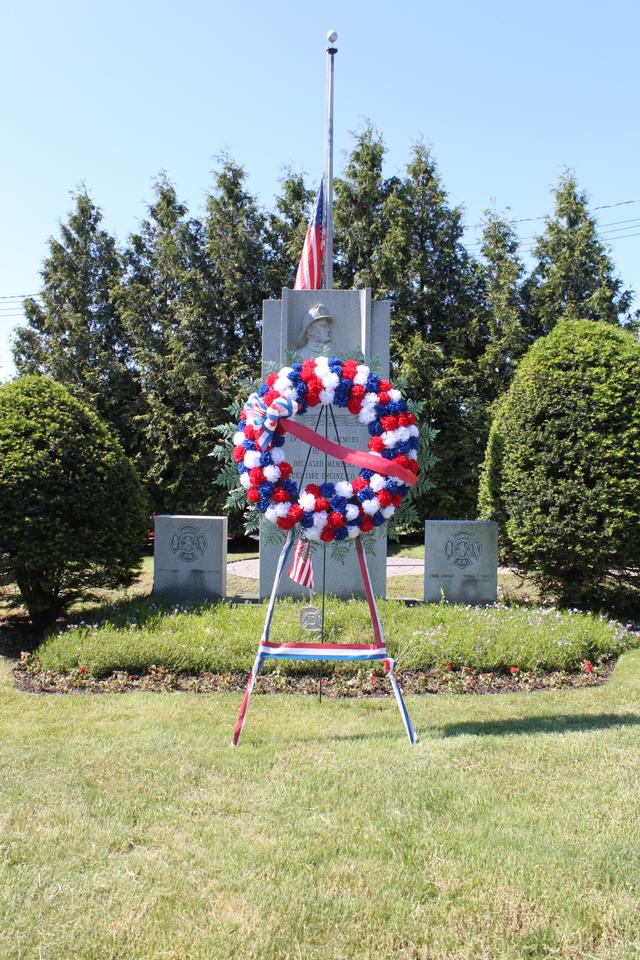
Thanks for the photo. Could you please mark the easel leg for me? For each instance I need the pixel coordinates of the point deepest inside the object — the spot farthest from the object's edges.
(389, 666)
(257, 663)
(242, 716)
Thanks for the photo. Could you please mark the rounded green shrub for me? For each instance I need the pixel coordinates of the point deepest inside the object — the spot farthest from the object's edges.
(562, 468)
(72, 509)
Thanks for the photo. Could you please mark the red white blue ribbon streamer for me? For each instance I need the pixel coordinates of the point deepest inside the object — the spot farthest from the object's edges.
(266, 418)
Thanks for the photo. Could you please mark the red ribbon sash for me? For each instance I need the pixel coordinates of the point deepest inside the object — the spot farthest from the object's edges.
(356, 457)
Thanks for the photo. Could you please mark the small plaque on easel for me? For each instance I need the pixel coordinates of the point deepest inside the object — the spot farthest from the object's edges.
(311, 618)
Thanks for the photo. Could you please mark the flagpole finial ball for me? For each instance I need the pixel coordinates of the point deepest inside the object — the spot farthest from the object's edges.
(332, 36)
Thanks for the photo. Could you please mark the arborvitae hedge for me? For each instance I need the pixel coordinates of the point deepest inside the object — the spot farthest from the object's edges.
(562, 467)
(72, 510)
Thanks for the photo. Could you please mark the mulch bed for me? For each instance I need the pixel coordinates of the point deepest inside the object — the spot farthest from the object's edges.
(361, 683)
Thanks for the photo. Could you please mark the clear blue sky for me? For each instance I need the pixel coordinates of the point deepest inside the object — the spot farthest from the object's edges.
(508, 95)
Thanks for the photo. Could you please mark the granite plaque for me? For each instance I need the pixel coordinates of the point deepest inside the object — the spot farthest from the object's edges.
(461, 561)
(190, 557)
(348, 321)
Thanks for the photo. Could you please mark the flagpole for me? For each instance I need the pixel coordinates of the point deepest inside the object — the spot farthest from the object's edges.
(327, 284)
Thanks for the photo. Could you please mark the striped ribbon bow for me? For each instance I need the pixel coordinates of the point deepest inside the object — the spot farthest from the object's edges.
(265, 419)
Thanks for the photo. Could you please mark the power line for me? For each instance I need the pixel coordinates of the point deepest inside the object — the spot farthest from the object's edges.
(603, 206)
(603, 230)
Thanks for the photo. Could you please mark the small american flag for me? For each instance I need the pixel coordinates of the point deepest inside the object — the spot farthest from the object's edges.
(302, 567)
(309, 273)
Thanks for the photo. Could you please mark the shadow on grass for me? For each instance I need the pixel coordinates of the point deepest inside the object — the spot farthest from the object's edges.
(567, 723)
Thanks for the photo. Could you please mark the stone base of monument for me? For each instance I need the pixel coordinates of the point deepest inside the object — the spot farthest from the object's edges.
(190, 557)
(461, 561)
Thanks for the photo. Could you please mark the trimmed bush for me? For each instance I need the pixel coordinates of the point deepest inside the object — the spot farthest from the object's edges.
(562, 468)
(72, 510)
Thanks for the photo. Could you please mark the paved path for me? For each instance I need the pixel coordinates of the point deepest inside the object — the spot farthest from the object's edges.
(396, 567)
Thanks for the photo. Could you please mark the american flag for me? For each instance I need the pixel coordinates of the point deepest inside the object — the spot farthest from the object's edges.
(302, 567)
(309, 275)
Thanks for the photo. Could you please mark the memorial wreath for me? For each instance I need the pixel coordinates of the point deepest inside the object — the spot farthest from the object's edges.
(329, 511)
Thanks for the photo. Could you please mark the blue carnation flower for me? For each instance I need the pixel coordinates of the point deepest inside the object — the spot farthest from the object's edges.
(304, 406)
(241, 468)
(263, 504)
(403, 489)
(266, 459)
(383, 410)
(366, 474)
(342, 394)
(375, 428)
(402, 406)
(414, 442)
(403, 446)
(301, 390)
(366, 494)
(307, 518)
(296, 367)
(242, 424)
(373, 383)
(265, 490)
(338, 503)
(263, 389)
(389, 453)
(249, 445)
(342, 533)
(378, 519)
(291, 487)
(394, 408)
(277, 440)
(392, 485)
(327, 490)
(357, 522)
(335, 362)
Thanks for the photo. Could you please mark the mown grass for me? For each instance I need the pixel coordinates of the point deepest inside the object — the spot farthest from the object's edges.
(130, 830)
(223, 637)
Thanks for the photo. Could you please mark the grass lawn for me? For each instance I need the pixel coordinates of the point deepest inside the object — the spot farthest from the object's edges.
(131, 830)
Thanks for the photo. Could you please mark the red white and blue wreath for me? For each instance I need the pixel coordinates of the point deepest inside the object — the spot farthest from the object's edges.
(329, 511)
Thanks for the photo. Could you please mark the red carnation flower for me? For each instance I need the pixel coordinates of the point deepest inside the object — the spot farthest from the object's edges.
(313, 488)
(280, 428)
(280, 496)
(358, 391)
(238, 454)
(354, 407)
(327, 535)
(315, 385)
(285, 470)
(389, 423)
(411, 420)
(296, 512)
(321, 503)
(253, 495)
(336, 519)
(377, 444)
(271, 379)
(270, 396)
(384, 498)
(359, 484)
(384, 397)
(349, 369)
(286, 523)
(403, 419)
(250, 431)
(384, 385)
(313, 399)
(396, 499)
(367, 524)
(256, 475)
(308, 370)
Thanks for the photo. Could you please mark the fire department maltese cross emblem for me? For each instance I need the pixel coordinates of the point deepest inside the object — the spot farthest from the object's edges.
(188, 543)
(462, 549)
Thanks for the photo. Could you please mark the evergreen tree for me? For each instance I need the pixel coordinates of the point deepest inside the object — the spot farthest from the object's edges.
(170, 301)
(236, 244)
(439, 329)
(286, 231)
(574, 277)
(360, 223)
(74, 333)
(501, 275)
